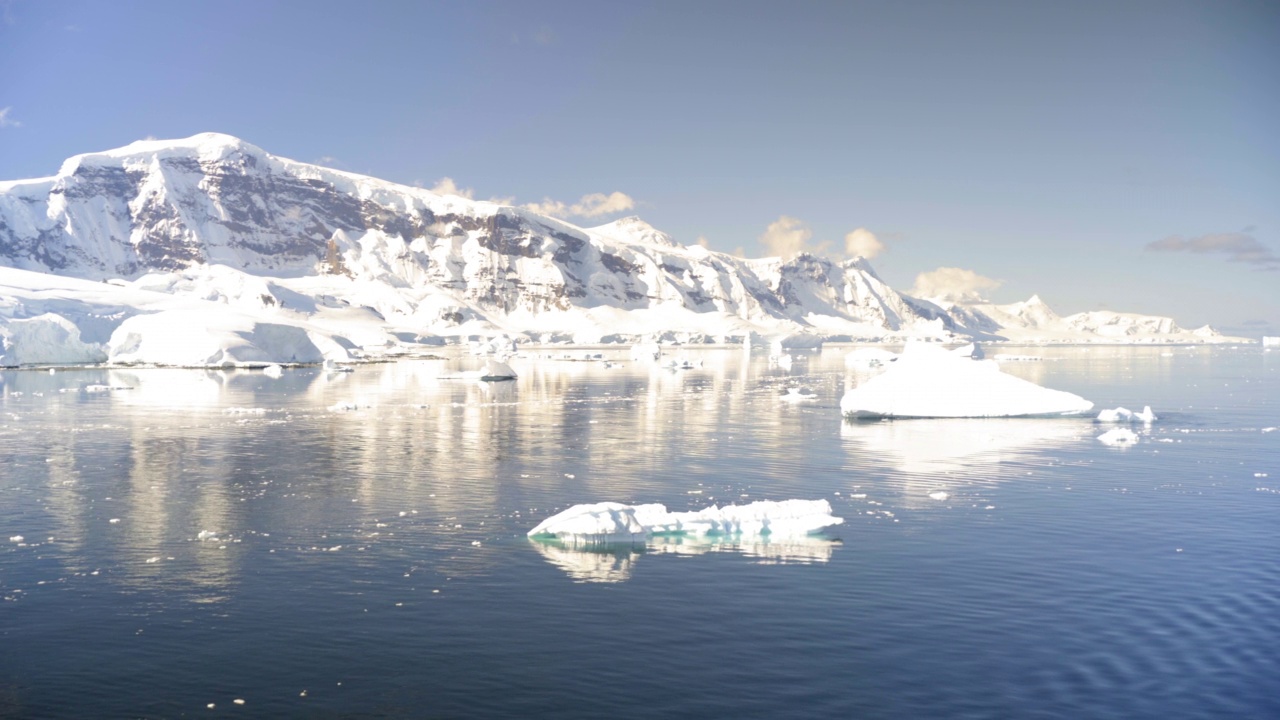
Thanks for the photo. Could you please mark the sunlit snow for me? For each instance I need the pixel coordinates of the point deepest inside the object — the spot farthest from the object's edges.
(928, 381)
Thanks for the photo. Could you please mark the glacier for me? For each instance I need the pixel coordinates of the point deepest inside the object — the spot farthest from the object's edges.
(361, 266)
(929, 382)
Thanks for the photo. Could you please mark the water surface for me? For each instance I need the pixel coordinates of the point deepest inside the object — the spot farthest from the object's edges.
(364, 552)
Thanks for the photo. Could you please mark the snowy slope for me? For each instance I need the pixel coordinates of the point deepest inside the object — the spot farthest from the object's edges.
(1032, 321)
(216, 219)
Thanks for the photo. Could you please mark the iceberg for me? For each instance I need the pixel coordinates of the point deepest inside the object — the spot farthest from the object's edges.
(930, 382)
(611, 522)
(1125, 415)
(497, 370)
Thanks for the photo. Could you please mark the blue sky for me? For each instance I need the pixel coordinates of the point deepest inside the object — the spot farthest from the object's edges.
(1109, 155)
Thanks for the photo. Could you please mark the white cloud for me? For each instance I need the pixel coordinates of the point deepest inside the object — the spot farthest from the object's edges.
(597, 204)
(788, 236)
(785, 237)
(446, 186)
(952, 285)
(589, 206)
(548, 207)
(6, 121)
(703, 241)
(862, 243)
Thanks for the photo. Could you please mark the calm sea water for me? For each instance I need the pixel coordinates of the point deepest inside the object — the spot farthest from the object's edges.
(363, 550)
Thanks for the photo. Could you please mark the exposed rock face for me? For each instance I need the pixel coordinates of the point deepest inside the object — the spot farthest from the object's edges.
(213, 199)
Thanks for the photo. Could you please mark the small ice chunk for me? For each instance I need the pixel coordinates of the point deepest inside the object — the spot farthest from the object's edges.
(1118, 437)
(1125, 415)
(939, 495)
(273, 371)
(16, 538)
(795, 394)
(113, 521)
(206, 535)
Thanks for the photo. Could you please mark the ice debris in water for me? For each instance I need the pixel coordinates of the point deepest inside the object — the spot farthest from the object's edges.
(1125, 415)
(16, 538)
(612, 522)
(273, 371)
(795, 394)
(928, 381)
(939, 495)
(1118, 437)
(206, 535)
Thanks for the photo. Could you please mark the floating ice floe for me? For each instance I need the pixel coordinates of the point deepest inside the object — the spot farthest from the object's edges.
(610, 522)
(1125, 415)
(930, 382)
(1118, 437)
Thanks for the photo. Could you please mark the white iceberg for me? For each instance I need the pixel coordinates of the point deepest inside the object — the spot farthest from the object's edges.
(1118, 437)
(610, 522)
(930, 382)
(1125, 415)
(497, 370)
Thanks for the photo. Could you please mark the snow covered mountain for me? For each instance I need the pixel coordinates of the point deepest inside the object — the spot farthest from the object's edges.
(1032, 321)
(214, 219)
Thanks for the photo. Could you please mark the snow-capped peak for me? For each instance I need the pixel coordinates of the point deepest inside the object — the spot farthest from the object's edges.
(207, 147)
(633, 229)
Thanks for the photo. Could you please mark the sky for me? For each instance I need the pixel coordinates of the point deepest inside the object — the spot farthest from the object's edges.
(1104, 155)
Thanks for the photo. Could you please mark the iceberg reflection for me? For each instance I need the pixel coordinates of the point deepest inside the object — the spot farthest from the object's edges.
(931, 446)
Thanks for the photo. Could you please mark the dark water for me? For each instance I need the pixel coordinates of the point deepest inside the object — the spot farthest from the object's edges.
(371, 562)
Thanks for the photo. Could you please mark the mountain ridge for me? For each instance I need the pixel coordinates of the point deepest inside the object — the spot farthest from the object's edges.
(444, 265)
